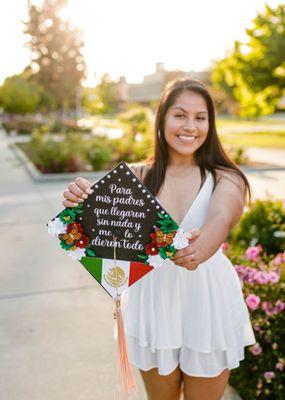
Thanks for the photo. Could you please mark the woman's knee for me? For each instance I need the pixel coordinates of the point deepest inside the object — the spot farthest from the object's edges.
(167, 387)
(201, 388)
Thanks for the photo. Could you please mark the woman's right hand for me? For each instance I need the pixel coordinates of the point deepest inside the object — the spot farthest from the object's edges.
(76, 192)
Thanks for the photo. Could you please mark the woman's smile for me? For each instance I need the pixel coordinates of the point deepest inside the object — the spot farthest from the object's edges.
(188, 139)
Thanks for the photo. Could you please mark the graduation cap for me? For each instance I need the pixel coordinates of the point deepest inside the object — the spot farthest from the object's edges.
(119, 233)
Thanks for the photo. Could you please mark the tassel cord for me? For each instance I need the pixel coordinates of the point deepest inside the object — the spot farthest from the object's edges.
(127, 382)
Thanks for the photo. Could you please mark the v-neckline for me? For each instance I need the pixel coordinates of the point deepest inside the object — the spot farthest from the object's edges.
(193, 202)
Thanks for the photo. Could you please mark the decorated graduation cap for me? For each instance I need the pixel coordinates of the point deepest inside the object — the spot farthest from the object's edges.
(119, 234)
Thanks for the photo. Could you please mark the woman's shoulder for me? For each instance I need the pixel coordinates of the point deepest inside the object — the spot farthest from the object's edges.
(229, 176)
(140, 169)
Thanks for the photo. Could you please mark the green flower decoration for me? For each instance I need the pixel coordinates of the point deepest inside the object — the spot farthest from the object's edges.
(167, 252)
(66, 246)
(166, 223)
(67, 216)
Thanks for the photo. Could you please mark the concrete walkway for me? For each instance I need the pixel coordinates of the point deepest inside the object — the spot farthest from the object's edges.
(271, 157)
(56, 336)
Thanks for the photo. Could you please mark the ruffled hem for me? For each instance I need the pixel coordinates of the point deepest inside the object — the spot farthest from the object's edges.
(190, 361)
(202, 309)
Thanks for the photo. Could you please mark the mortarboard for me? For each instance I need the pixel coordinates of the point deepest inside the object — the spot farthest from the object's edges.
(119, 233)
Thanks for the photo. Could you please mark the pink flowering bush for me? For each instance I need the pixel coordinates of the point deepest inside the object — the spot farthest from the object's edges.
(261, 374)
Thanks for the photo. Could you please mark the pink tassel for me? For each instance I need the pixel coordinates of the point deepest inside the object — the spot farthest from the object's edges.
(127, 380)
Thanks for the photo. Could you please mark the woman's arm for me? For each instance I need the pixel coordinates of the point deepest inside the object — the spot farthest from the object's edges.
(225, 209)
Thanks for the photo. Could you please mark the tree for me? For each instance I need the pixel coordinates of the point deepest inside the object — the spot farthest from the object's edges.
(19, 95)
(137, 119)
(56, 59)
(103, 99)
(253, 73)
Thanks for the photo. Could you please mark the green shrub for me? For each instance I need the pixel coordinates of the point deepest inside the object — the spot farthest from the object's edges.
(22, 126)
(237, 154)
(67, 126)
(130, 151)
(99, 152)
(19, 95)
(263, 223)
(56, 126)
(7, 126)
(51, 156)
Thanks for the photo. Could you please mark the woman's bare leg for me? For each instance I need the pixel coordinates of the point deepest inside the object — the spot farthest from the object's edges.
(166, 387)
(196, 388)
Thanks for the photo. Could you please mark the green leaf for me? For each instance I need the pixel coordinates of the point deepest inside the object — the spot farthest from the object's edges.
(90, 252)
(170, 248)
(66, 246)
(142, 257)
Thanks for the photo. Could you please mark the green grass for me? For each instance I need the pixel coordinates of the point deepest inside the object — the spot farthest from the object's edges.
(255, 139)
(224, 123)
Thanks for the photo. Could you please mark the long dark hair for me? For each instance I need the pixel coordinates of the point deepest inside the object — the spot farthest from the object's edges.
(209, 156)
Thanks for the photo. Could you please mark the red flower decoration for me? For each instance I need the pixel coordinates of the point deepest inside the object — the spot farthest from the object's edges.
(152, 235)
(151, 249)
(74, 225)
(82, 242)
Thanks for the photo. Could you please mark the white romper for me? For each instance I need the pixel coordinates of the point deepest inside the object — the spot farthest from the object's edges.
(195, 319)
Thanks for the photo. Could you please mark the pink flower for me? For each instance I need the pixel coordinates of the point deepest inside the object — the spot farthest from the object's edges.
(279, 258)
(248, 274)
(279, 305)
(268, 375)
(252, 252)
(269, 309)
(273, 277)
(239, 268)
(266, 306)
(256, 349)
(261, 277)
(274, 346)
(252, 301)
(279, 366)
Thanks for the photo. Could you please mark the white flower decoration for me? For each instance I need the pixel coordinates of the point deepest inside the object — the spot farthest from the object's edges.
(76, 254)
(180, 239)
(56, 227)
(155, 261)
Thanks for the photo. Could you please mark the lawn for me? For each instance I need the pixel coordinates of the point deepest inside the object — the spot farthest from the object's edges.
(267, 139)
(265, 132)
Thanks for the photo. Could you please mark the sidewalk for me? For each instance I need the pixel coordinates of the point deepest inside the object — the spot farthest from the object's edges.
(56, 337)
(273, 157)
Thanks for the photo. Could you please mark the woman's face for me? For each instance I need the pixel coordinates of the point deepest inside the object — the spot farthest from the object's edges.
(186, 124)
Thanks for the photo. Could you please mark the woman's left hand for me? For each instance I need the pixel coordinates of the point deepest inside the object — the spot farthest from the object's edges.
(190, 257)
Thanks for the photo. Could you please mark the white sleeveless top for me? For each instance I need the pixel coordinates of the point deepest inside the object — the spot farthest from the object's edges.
(203, 310)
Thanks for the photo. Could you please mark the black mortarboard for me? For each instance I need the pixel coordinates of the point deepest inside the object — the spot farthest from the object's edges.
(121, 210)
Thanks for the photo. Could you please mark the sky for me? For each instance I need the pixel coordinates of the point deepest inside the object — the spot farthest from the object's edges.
(128, 37)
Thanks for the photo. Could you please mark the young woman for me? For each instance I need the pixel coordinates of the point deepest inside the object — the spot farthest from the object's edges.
(187, 323)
